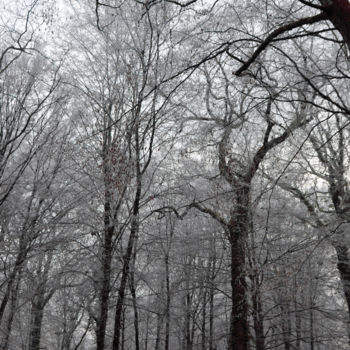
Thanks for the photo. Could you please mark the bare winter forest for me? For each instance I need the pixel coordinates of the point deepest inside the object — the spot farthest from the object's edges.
(174, 175)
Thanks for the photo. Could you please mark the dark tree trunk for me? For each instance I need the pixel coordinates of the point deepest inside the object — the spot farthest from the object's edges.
(37, 319)
(122, 287)
(204, 318)
(238, 231)
(105, 286)
(211, 294)
(258, 317)
(167, 307)
(134, 302)
(12, 311)
(158, 330)
(338, 12)
(286, 325)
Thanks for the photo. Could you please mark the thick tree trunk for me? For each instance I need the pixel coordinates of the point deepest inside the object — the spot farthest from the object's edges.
(238, 231)
(338, 12)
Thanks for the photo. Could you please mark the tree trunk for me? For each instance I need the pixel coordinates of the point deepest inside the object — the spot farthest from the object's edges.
(134, 302)
(258, 317)
(105, 287)
(132, 238)
(122, 287)
(211, 295)
(187, 341)
(12, 311)
(204, 317)
(158, 330)
(298, 327)
(40, 299)
(338, 12)
(167, 307)
(36, 326)
(286, 325)
(21, 257)
(238, 231)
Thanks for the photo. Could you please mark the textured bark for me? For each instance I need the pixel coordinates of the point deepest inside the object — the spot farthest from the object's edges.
(105, 286)
(338, 12)
(344, 270)
(238, 231)
(35, 334)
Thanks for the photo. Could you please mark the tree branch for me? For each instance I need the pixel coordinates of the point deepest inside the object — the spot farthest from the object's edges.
(285, 28)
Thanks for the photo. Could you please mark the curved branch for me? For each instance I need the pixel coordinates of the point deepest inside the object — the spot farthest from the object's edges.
(285, 28)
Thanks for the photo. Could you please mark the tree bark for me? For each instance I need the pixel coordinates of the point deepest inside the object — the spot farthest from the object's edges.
(168, 300)
(122, 287)
(12, 311)
(238, 231)
(134, 302)
(338, 12)
(105, 284)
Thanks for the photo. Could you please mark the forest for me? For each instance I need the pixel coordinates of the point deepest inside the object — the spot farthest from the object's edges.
(174, 175)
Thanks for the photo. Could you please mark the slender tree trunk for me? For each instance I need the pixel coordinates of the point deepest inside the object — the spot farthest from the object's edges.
(257, 309)
(122, 287)
(168, 300)
(187, 307)
(132, 238)
(37, 318)
(134, 301)
(211, 295)
(123, 329)
(204, 317)
(297, 316)
(238, 231)
(286, 325)
(258, 317)
(158, 331)
(146, 332)
(105, 286)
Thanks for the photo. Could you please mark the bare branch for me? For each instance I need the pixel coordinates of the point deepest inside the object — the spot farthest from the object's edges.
(283, 29)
